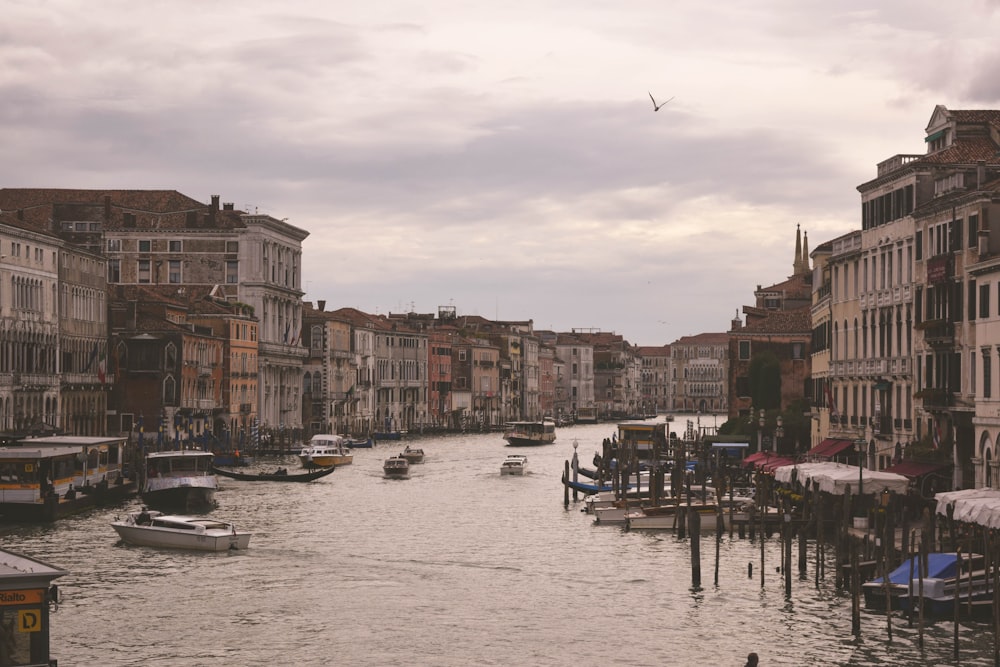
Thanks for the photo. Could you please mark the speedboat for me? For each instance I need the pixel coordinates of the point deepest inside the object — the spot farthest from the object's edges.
(325, 450)
(514, 464)
(150, 528)
(413, 454)
(396, 467)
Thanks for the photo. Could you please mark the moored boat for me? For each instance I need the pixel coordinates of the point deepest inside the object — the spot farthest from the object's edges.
(179, 480)
(45, 478)
(514, 464)
(325, 450)
(155, 529)
(945, 572)
(396, 467)
(529, 434)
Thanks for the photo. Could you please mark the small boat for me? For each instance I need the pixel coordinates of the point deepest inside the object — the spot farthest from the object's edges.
(325, 450)
(396, 467)
(279, 475)
(149, 528)
(529, 434)
(360, 443)
(413, 454)
(388, 435)
(179, 480)
(944, 572)
(514, 464)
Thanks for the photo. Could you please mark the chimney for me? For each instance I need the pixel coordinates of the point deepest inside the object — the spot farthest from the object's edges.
(214, 209)
(227, 206)
(321, 304)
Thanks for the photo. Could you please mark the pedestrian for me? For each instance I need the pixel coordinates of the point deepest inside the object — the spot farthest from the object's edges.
(752, 660)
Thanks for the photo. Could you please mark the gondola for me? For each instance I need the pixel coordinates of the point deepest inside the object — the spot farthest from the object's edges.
(275, 476)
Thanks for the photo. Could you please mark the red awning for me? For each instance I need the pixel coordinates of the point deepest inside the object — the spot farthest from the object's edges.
(754, 458)
(775, 462)
(914, 469)
(830, 448)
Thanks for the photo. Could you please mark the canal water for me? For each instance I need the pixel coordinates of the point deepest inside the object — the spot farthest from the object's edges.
(457, 565)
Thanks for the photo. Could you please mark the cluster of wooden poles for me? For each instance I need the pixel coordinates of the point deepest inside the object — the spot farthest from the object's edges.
(861, 551)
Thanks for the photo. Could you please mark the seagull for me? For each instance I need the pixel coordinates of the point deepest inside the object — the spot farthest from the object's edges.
(657, 107)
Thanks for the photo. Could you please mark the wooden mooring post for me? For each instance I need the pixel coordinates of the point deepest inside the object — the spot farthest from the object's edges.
(694, 527)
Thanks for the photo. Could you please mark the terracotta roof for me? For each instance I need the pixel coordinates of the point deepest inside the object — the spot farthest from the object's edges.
(966, 150)
(777, 321)
(704, 339)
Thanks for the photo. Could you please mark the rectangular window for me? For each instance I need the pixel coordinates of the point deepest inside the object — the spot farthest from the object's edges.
(987, 374)
(142, 273)
(114, 245)
(145, 246)
(744, 349)
(796, 350)
(114, 271)
(461, 355)
(973, 230)
(232, 272)
(174, 246)
(918, 242)
(984, 301)
(174, 274)
(972, 300)
(232, 246)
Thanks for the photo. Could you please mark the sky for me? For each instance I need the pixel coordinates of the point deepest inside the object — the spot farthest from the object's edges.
(501, 158)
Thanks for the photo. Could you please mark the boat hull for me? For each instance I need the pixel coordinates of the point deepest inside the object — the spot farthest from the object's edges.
(326, 460)
(145, 536)
(668, 520)
(274, 477)
(180, 494)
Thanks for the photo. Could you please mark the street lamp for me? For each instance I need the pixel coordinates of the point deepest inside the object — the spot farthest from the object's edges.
(860, 446)
(760, 431)
(779, 433)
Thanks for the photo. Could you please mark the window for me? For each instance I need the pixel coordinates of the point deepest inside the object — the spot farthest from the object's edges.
(174, 271)
(145, 246)
(984, 301)
(174, 246)
(796, 350)
(232, 246)
(918, 241)
(143, 274)
(987, 374)
(114, 245)
(232, 272)
(461, 355)
(114, 271)
(744, 349)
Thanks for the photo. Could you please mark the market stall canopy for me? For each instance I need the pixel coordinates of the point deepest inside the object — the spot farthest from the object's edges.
(836, 477)
(829, 448)
(914, 469)
(979, 506)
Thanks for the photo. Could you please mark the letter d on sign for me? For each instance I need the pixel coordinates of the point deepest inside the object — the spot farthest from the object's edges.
(29, 620)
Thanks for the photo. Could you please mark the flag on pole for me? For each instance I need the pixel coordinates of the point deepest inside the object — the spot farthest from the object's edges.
(830, 403)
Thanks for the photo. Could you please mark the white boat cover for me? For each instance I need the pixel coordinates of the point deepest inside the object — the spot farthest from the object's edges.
(836, 477)
(979, 506)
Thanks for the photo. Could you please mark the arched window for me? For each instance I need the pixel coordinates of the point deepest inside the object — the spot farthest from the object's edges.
(169, 390)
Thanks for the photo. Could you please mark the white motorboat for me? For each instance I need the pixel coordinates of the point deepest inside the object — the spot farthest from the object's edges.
(396, 467)
(179, 480)
(413, 454)
(150, 528)
(325, 450)
(514, 464)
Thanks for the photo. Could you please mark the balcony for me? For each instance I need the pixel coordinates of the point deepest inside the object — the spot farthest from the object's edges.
(938, 333)
(936, 399)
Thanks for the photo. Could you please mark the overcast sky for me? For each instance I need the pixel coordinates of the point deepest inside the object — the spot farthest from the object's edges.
(503, 158)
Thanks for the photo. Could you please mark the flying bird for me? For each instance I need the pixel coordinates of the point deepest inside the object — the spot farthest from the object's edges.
(657, 107)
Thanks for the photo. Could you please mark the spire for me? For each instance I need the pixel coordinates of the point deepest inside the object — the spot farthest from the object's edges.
(797, 264)
(805, 251)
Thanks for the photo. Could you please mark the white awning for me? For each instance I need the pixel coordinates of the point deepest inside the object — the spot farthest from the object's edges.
(836, 477)
(979, 506)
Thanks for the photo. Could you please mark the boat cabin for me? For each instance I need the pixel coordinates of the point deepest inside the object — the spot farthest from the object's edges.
(39, 467)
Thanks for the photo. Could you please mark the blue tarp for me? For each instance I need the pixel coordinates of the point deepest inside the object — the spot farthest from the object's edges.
(939, 566)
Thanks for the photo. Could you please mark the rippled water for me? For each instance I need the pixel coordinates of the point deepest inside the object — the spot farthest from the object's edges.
(454, 566)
